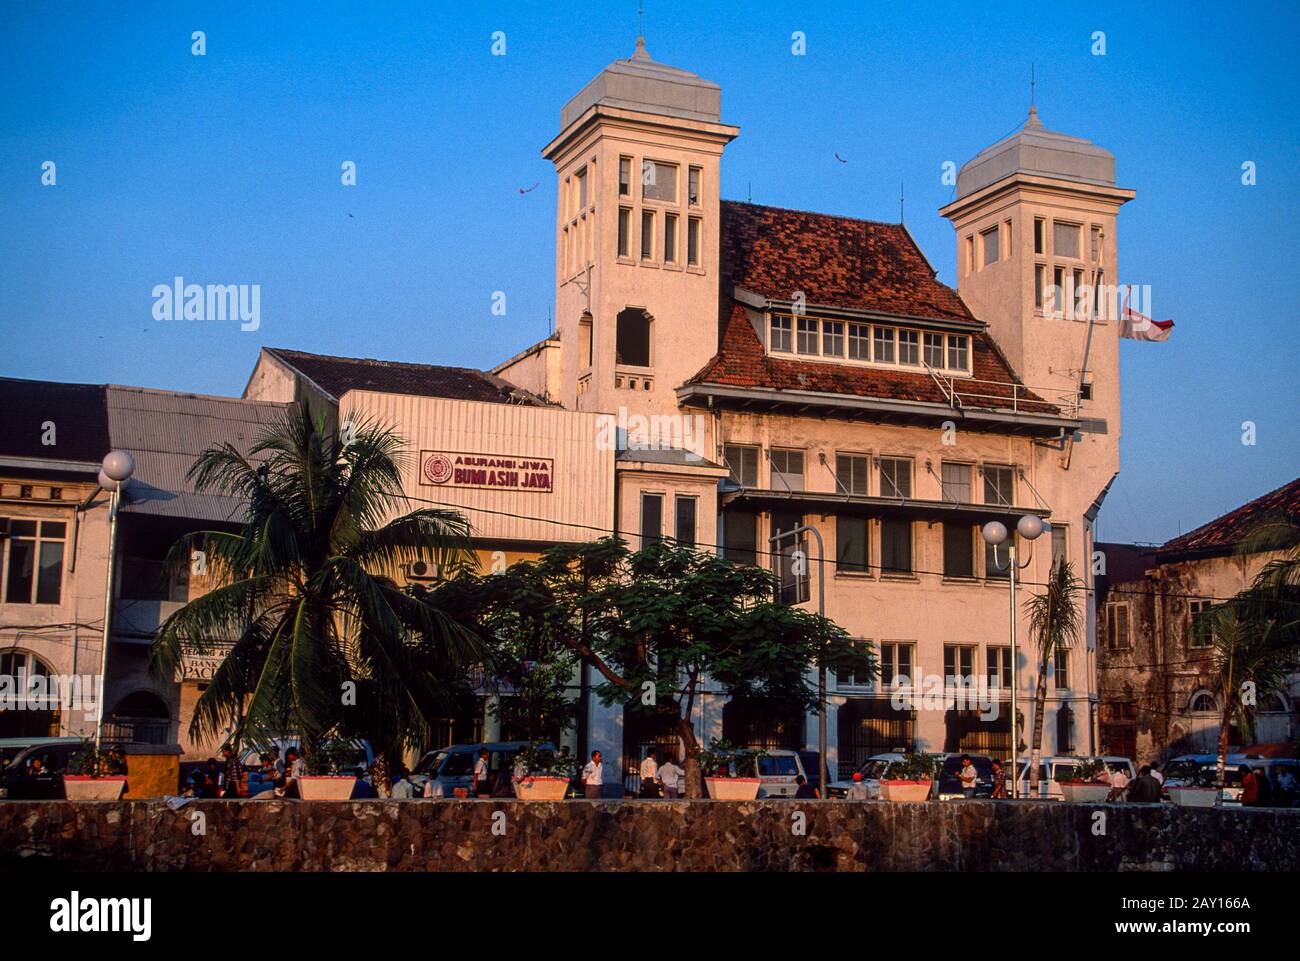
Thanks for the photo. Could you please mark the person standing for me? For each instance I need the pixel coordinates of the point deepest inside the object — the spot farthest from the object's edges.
(1118, 785)
(967, 775)
(1249, 786)
(482, 787)
(803, 789)
(233, 772)
(649, 772)
(859, 791)
(999, 781)
(670, 779)
(1145, 789)
(593, 777)
(403, 789)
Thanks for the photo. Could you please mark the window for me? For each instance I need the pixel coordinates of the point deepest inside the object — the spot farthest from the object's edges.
(1095, 248)
(693, 186)
(632, 334)
(895, 546)
(956, 483)
(1199, 633)
(33, 566)
(859, 342)
(658, 181)
(1203, 702)
(793, 584)
(934, 350)
(1058, 544)
(958, 550)
(1058, 292)
(1061, 669)
(895, 477)
(787, 470)
(1085, 391)
(647, 235)
(909, 351)
(1008, 248)
(686, 520)
(1118, 636)
(1038, 236)
(652, 519)
(970, 254)
(743, 463)
(958, 352)
(625, 176)
(851, 544)
(883, 345)
(781, 339)
(958, 664)
(833, 338)
(992, 251)
(584, 340)
(851, 472)
(1079, 295)
(895, 663)
(740, 536)
(670, 238)
(693, 242)
(848, 678)
(146, 579)
(807, 335)
(999, 663)
(997, 564)
(999, 485)
(1065, 239)
(581, 180)
(1039, 276)
(624, 232)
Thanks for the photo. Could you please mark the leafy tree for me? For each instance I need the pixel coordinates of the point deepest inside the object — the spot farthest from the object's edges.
(1055, 621)
(324, 642)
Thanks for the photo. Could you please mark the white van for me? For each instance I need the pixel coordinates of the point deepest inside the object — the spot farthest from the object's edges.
(776, 771)
(1054, 769)
(451, 768)
(875, 770)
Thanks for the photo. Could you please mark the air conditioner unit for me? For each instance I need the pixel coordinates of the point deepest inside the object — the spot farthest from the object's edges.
(421, 571)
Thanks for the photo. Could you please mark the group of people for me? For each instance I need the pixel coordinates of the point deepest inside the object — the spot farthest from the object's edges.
(226, 778)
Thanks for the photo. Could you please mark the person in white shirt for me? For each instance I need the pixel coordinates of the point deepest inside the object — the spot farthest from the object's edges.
(1158, 775)
(1118, 785)
(649, 772)
(482, 785)
(593, 777)
(670, 776)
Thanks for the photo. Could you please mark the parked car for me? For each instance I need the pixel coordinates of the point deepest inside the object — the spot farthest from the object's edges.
(1183, 769)
(948, 786)
(875, 769)
(19, 782)
(1056, 768)
(452, 767)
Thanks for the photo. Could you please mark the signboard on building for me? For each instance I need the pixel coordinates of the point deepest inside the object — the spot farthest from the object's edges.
(506, 472)
(196, 666)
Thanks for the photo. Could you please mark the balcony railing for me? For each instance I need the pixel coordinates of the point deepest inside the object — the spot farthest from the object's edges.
(963, 392)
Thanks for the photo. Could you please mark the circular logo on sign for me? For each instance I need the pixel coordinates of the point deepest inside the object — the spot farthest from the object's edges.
(438, 469)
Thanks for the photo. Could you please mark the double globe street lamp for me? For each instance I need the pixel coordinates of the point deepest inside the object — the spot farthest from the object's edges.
(995, 533)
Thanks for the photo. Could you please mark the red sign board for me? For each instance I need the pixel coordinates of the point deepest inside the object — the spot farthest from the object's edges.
(508, 472)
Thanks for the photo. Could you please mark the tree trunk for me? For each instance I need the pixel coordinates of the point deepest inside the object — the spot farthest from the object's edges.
(1040, 708)
(1225, 725)
(694, 780)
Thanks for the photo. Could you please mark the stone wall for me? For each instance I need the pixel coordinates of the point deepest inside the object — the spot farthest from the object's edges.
(640, 835)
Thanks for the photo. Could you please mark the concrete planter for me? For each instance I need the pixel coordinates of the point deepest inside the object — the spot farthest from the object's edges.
(541, 788)
(905, 790)
(1193, 797)
(316, 787)
(1084, 792)
(83, 787)
(733, 788)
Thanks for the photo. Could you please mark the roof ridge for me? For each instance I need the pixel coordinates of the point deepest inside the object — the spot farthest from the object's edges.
(814, 213)
(372, 360)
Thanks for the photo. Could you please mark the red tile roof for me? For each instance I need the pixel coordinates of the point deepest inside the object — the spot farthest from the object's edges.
(338, 375)
(835, 261)
(1224, 533)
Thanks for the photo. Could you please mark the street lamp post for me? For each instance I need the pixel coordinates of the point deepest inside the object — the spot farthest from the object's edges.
(117, 468)
(774, 540)
(1030, 526)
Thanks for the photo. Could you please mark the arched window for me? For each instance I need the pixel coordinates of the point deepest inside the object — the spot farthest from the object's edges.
(142, 718)
(28, 677)
(1203, 702)
(632, 338)
(1273, 703)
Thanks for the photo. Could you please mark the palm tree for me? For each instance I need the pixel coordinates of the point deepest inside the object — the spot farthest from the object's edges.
(1254, 658)
(1274, 595)
(324, 643)
(1054, 622)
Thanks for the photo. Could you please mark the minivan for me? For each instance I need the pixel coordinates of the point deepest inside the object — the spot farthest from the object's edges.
(451, 768)
(17, 783)
(1056, 768)
(873, 771)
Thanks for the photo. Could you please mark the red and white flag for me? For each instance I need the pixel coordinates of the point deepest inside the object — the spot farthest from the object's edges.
(1136, 326)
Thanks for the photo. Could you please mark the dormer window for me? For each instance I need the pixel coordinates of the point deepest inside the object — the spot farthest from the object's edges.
(882, 345)
(782, 338)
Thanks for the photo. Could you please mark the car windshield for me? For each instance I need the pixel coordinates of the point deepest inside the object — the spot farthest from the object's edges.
(875, 770)
(780, 765)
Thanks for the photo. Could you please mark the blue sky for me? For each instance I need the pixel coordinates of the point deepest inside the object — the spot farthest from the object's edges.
(225, 169)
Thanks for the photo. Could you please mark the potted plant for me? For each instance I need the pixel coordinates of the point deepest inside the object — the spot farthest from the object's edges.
(1085, 784)
(542, 775)
(723, 764)
(87, 777)
(1197, 790)
(326, 765)
(911, 778)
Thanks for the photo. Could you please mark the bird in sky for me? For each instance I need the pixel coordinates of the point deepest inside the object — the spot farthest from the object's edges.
(524, 190)
(840, 159)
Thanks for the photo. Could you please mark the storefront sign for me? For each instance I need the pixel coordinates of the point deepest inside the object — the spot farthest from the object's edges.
(197, 666)
(486, 471)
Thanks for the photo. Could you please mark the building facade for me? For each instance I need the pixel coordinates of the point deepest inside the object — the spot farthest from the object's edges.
(1158, 670)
